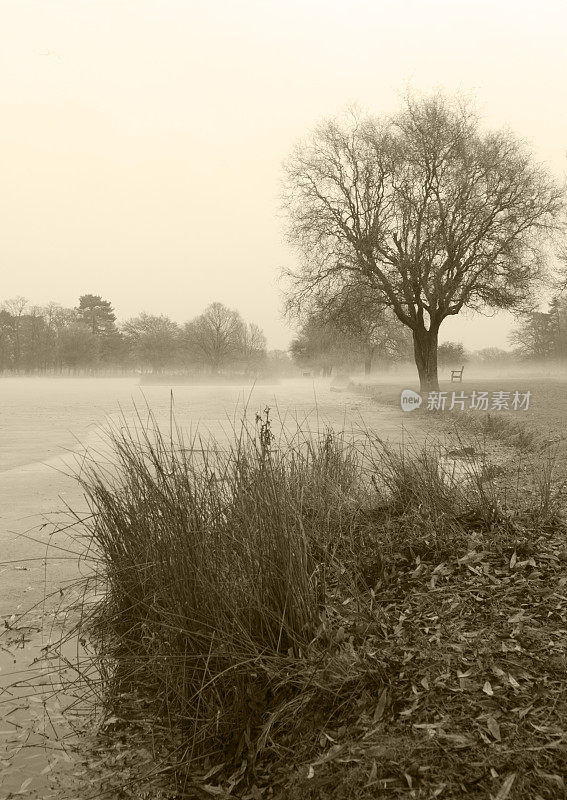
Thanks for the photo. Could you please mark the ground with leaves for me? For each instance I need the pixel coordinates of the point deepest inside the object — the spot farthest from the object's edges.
(471, 654)
(437, 667)
(450, 681)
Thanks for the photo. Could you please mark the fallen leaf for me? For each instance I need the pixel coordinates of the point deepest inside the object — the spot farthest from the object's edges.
(213, 771)
(373, 773)
(24, 785)
(214, 791)
(381, 751)
(487, 689)
(332, 753)
(381, 705)
(493, 727)
(504, 790)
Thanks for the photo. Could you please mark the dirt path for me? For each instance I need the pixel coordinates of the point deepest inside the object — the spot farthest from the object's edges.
(35, 487)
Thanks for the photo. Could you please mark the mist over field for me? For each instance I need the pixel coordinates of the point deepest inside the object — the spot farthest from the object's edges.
(283, 373)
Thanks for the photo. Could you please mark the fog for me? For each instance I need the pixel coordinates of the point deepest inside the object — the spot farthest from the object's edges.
(477, 371)
(141, 142)
(141, 151)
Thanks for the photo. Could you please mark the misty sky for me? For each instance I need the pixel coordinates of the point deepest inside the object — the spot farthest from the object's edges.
(142, 140)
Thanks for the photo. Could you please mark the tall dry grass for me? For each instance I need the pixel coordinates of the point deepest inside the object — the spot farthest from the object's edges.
(216, 563)
(223, 565)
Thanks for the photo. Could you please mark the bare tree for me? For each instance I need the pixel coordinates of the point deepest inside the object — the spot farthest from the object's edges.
(366, 322)
(493, 356)
(78, 348)
(215, 336)
(319, 345)
(16, 306)
(452, 354)
(152, 339)
(253, 346)
(432, 214)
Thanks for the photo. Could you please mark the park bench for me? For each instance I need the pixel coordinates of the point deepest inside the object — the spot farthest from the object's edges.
(457, 375)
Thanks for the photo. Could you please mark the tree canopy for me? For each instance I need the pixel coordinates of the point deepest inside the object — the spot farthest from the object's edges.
(97, 314)
(542, 336)
(424, 208)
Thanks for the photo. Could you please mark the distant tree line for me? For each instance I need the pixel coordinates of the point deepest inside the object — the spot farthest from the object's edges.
(454, 354)
(88, 339)
(326, 348)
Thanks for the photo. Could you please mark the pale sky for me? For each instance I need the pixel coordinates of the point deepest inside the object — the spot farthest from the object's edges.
(141, 141)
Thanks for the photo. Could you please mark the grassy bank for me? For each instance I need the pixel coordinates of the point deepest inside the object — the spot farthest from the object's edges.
(315, 617)
(543, 420)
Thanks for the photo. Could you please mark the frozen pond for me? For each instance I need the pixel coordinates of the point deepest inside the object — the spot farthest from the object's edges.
(43, 418)
(44, 423)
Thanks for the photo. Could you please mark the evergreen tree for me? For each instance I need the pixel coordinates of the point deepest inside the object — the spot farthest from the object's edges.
(97, 314)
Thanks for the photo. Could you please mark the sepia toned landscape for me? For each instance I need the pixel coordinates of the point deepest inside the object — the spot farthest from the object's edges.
(283, 400)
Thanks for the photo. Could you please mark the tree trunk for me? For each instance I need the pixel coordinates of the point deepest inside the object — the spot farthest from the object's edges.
(368, 364)
(425, 350)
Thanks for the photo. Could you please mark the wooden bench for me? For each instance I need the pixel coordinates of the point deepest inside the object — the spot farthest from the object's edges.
(457, 375)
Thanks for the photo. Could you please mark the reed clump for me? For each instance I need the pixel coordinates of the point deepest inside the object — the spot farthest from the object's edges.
(216, 563)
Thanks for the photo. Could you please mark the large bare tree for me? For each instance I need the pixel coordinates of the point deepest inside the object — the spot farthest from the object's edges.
(426, 209)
